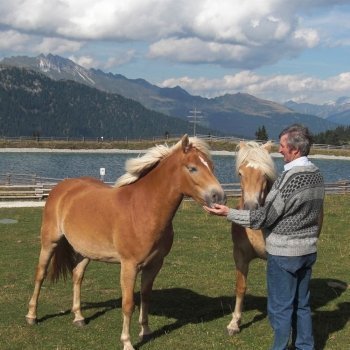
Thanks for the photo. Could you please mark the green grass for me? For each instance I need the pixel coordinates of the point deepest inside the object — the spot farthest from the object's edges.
(193, 293)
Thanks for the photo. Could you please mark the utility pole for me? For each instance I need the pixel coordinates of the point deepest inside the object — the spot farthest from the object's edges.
(195, 117)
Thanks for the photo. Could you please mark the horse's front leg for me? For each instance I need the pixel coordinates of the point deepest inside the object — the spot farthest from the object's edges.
(148, 275)
(78, 275)
(241, 287)
(128, 275)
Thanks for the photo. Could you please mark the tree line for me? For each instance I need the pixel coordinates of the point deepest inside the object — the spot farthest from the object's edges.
(337, 137)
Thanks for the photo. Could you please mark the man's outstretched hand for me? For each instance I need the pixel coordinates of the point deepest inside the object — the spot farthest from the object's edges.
(217, 209)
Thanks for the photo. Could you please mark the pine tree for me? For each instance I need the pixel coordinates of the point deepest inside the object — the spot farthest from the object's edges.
(261, 134)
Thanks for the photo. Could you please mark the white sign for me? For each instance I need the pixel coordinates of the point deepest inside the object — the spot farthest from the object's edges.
(102, 171)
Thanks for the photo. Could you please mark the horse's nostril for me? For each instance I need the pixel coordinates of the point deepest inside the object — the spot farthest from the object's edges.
(219, 197)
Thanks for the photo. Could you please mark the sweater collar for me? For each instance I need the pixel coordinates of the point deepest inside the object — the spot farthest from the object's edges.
(301, 161)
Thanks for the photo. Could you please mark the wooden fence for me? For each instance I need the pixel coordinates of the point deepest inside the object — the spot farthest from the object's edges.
(209, 138)
(32, 187)
(25, 187)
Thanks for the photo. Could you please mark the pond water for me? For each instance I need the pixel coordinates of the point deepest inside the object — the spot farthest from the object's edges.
(63, 165)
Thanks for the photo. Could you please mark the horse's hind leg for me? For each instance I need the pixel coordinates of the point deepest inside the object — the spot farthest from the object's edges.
(148, 275)
(78, 275)
(44, 259)
(241, 287)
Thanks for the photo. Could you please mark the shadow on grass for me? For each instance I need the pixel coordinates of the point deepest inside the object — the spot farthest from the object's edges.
(327, 322)
(188, 307)
(47, 317)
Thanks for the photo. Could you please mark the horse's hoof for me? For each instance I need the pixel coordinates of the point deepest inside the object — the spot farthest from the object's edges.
(31, 321)
(79, 323)
(232, 331)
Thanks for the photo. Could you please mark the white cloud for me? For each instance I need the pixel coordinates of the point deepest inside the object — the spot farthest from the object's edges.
(235, 34)
(228, 32)
(307, 37)
(85, 61)
(11, 39)
(57, 46)
(120, 59)
(35, 16)
(278, 88)
(197, 51)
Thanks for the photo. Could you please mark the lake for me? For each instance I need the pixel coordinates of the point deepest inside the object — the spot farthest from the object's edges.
(62, 165)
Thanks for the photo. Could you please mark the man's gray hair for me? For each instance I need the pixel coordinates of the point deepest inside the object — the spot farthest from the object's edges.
(299, 137)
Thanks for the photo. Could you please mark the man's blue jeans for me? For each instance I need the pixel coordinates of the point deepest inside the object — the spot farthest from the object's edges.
(288, 307)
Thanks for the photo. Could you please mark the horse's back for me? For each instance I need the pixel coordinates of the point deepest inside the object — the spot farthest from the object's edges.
(69, 188)
(65, 193)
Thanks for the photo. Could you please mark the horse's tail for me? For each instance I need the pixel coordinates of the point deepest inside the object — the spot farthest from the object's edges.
(63, 261)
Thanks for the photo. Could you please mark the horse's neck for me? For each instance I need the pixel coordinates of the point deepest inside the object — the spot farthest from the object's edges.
(240, 204)
(161, 189)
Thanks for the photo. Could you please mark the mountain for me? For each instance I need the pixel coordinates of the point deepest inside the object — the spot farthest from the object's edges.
(342, 117)
(238, 114)
(33, 104)
(336, 112)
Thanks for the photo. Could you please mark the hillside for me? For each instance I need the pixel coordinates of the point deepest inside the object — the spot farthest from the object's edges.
(33, 104)
(238, 114)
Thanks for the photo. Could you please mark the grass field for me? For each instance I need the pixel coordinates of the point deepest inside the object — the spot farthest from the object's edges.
(193, 293)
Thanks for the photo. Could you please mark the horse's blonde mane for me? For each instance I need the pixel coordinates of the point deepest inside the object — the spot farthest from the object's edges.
(137, 167)
(253, 155)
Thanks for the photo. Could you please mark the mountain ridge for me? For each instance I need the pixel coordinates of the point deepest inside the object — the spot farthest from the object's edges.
(336, 111)
(238, 114)
(33, 104)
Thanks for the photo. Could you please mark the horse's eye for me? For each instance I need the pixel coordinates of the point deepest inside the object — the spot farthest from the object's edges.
(191, 169)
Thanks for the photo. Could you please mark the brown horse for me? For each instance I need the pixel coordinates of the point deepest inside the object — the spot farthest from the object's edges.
(130, 223)
(256, 170)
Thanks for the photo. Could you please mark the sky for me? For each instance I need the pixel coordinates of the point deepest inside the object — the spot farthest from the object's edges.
(277, 50)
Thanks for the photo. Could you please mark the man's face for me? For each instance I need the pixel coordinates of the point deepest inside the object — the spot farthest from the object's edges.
(288, 153)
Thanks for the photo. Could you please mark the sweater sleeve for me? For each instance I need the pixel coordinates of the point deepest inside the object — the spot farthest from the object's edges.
(265, 216)
(240, 217)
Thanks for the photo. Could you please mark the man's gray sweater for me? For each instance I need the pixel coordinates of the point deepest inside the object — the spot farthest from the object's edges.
(291, 213)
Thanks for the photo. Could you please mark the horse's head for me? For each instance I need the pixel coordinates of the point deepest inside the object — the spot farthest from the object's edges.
(197, 172)
(256, 171)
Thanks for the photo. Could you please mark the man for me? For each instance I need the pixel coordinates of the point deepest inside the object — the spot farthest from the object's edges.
(291, 218)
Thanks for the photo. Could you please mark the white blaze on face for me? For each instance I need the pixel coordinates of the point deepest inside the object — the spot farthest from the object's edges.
(204, 162)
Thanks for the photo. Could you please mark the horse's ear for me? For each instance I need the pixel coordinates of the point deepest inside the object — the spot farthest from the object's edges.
(241, 144)
(185, 142)
(268, 146)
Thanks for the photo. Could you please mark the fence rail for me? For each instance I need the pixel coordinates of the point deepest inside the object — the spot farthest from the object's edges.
(33, 187)
(25, 187)
(163, 138)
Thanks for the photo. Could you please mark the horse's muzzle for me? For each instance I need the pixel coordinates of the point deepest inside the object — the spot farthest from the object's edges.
(251, 205)
(215, 196)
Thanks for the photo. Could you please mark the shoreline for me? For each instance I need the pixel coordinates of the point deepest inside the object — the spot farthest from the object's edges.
(138, 151)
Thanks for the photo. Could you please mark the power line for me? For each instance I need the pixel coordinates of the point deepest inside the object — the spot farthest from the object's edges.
(195, 118)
